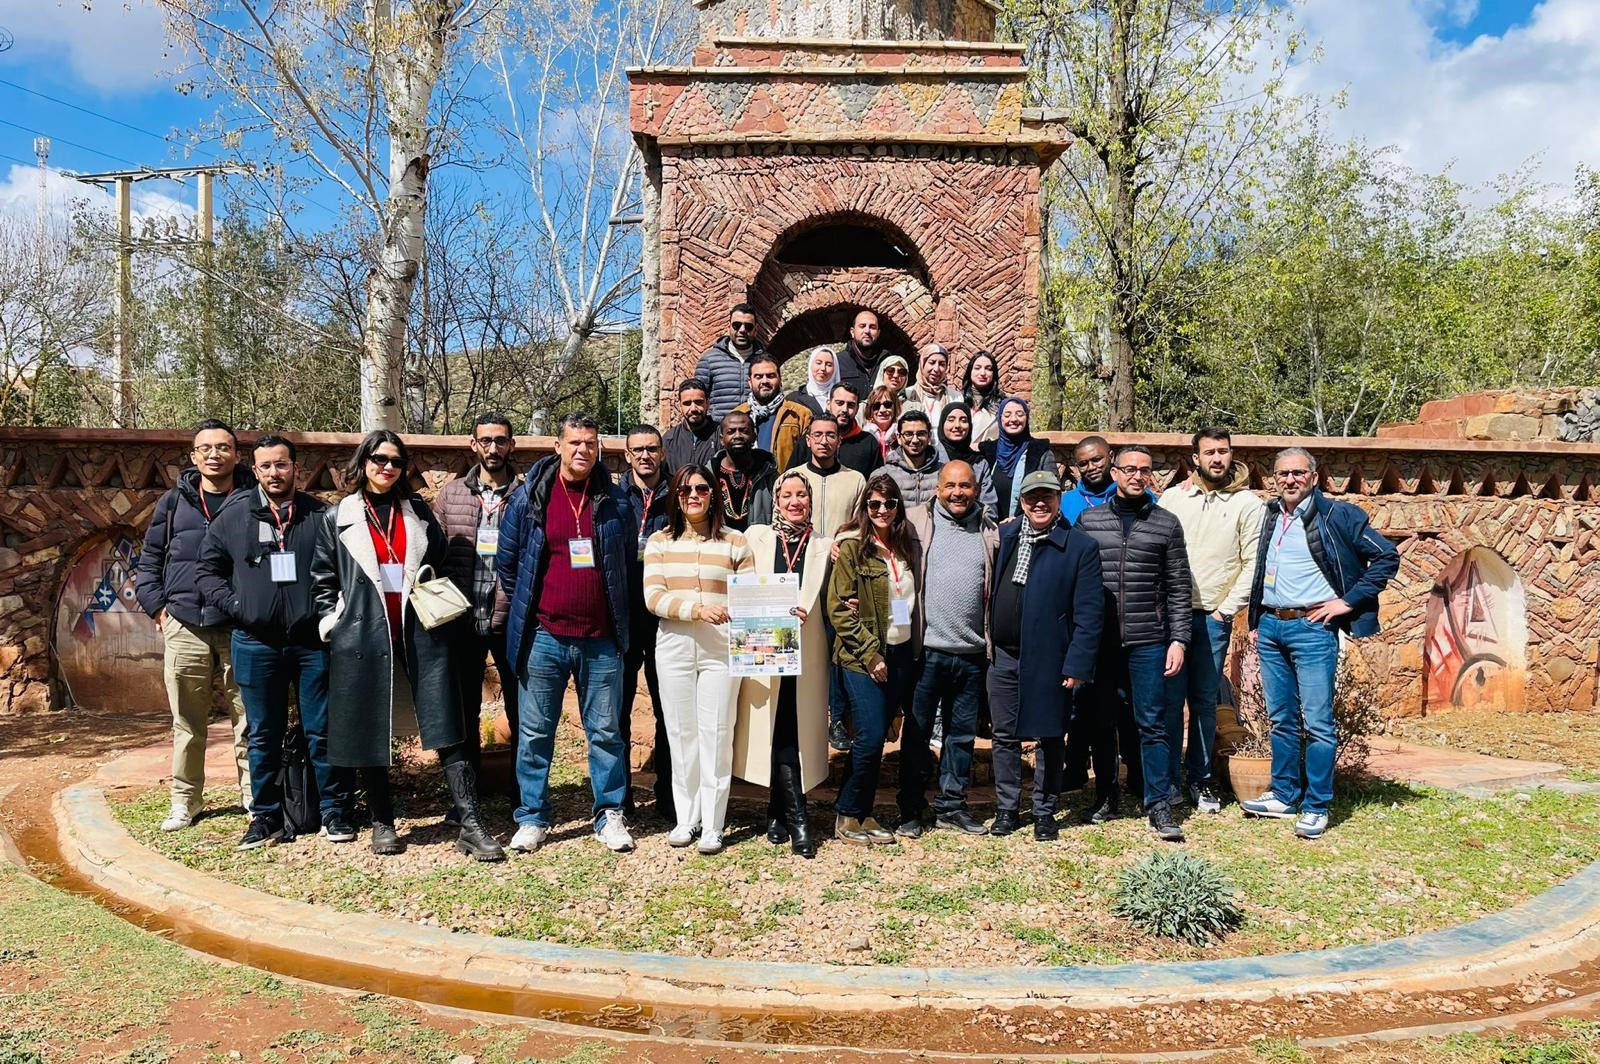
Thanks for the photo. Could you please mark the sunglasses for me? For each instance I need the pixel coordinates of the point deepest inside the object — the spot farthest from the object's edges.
(741, 326)
(689, 490)
(381, 460)
(883, 406)
(876, 505)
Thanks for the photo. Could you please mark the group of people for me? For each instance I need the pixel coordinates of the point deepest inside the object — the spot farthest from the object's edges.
(942, 580)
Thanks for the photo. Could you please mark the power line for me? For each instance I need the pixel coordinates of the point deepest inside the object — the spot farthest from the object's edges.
(96, 114)
(68, 143)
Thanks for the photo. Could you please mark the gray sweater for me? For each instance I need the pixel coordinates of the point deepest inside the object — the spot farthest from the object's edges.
(952, 599)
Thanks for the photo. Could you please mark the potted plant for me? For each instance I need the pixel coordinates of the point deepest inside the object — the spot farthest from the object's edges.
(1248, 752)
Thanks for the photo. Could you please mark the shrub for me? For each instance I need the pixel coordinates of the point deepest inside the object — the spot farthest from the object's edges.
(1356, 717)
(1177, 895)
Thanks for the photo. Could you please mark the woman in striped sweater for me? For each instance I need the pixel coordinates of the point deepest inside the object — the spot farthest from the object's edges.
(687, 566)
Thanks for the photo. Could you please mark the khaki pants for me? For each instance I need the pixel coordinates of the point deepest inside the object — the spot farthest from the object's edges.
(192, 656)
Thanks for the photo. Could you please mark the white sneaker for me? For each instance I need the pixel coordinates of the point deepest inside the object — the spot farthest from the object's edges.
(529, 837)
(180, 817)
(682, 835)
(710, 842)
(1311, 825)
(614, 831)
(1268, 806)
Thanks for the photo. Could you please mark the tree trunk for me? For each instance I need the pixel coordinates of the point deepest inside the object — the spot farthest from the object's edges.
(650, 291)
(1120, 178)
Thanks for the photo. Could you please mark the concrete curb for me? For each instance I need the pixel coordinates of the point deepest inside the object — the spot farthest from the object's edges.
(1555, 931)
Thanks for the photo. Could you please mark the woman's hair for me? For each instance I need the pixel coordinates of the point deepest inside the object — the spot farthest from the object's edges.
(899, 538)
(355, 474)
(677, 522)
(881, 392)
(994, 386)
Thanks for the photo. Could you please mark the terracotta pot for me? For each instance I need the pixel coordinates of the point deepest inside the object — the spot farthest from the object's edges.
(1249, 776)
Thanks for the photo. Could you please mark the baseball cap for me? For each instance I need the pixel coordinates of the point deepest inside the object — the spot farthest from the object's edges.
(1040, 478)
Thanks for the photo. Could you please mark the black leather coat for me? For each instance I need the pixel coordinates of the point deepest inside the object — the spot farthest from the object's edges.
(1145, 571)
(349, 603)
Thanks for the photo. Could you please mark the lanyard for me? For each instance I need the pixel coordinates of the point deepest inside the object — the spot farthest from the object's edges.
(1283, 529)
(799, 545)
(889, 557)
(647, 496)
(283, 531)
(577, 511)
(388, 539)
(206, 509)
(490, 511)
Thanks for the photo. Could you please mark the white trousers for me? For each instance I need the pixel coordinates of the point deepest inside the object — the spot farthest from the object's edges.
(698, 699)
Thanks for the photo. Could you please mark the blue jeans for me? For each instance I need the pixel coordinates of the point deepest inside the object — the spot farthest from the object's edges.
(1298, 661)
(1202, 674)
(264, 674)
(1158, 712)
(596, 666)
(872, 706)
(949, 683)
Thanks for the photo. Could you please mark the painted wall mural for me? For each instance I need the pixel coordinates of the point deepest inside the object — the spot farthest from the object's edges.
(110, 652)
(1476, 642)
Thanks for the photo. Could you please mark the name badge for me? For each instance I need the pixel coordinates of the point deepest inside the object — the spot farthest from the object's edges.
(393, 577)
(580, 551)
(283, 567)
(488, 542)
(899, 611)
(1271, 577)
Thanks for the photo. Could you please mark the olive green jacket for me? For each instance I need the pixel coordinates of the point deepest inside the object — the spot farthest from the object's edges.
(860, 634)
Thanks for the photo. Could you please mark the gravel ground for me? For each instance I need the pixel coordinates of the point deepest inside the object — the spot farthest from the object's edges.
(1571, 739)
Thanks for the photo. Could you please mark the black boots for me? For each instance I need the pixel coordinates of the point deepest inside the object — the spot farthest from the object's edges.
(475, 839)
(795, 815)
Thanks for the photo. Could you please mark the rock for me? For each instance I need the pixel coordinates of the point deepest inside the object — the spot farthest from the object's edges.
(464, 1058)
(858, 944)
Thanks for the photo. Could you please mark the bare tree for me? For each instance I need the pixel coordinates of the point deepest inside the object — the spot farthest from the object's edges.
(351, 89)
(563, 71)
(53, 310)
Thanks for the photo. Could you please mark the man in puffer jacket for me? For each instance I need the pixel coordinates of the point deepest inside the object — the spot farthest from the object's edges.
(725, 364)
(1145, 566)
(914, 465)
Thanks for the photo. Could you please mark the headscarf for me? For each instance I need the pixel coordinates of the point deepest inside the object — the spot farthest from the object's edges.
(787, 530)
(822, 392)
(1010, 449)
(953, 451)
(892, 360)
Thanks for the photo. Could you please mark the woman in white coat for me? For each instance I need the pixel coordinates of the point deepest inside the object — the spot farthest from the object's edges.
(780, 739)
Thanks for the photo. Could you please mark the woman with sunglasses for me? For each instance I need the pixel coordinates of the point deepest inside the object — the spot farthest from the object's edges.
(780, 739)
(883, 414)
(874, 606)
(687, 567)
(387, 672)
(893, 373)
(981, 389)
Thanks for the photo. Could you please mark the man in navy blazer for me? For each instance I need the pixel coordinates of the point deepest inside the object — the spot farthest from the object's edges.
(1047, 608)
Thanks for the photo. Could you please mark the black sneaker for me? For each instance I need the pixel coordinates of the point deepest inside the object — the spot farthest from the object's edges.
(913, 827)
(962, 821)
(1005, 822)
(262, 832)
(838, 736)
(338, 829)
(1164, 824)
(1103, 809)
(1045, 829)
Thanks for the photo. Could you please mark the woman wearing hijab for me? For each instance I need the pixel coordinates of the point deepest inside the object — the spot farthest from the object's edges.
(955, 445)
(893, 373)
(781, 736)
(1013, 455)
(822, 373)
(932, 392)
(981, 387)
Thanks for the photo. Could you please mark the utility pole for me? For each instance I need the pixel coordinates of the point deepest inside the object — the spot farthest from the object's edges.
(122, 305)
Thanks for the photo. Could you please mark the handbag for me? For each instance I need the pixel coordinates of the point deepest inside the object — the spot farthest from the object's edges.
(436, 601)
(301, 812)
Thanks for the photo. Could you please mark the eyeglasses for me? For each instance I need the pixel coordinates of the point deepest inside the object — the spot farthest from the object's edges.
(877, 505)
(689, 490)
(822, 437)
(914, 434)
(1136, 471)
(1291, 474)
(274, 467)
(645, 452)
(386, 460)
(213, 448)
(496, 442)
(741, 326)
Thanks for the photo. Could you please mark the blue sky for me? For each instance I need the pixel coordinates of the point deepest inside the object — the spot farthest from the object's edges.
(1478, 85)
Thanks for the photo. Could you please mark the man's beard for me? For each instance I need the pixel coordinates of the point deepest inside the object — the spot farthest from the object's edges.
(1215, 482)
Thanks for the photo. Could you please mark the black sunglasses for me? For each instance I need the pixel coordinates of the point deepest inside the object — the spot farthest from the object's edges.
(742, 326)
(385, 460)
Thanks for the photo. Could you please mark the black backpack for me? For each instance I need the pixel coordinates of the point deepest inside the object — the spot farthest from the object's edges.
(301, 806)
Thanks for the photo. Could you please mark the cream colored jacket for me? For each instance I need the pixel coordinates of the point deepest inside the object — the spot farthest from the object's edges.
(1221, 530)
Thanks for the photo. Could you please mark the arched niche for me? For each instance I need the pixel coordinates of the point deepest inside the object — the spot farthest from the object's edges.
(108, 651)
(848, 238)
(1475, 642)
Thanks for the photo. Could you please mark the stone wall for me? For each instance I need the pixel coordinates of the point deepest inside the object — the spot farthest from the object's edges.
(1565, 415)
(66, 494)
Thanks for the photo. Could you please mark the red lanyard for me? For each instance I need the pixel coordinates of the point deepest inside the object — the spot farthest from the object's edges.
(647, 495)
(889, 557)
(283, 532)
(388, 539)
(206, 509)
(799, 545)
(490, 511)
(1283, 529)
(577, 511)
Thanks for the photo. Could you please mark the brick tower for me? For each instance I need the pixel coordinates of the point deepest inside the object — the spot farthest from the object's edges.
(821, 156)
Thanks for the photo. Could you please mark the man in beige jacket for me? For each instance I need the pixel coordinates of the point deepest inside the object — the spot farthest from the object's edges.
(1221, 519)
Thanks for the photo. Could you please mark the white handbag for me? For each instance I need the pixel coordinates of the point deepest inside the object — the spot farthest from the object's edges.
(436, 601)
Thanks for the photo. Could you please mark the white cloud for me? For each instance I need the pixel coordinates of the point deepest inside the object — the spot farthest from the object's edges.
(109, 44)
(63, 197)
(1483, 108)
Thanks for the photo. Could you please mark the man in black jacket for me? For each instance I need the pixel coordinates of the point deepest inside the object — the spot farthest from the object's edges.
(1145, 567)
(255, 567)
(195, 634)
(694, 439)
(747, 474)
